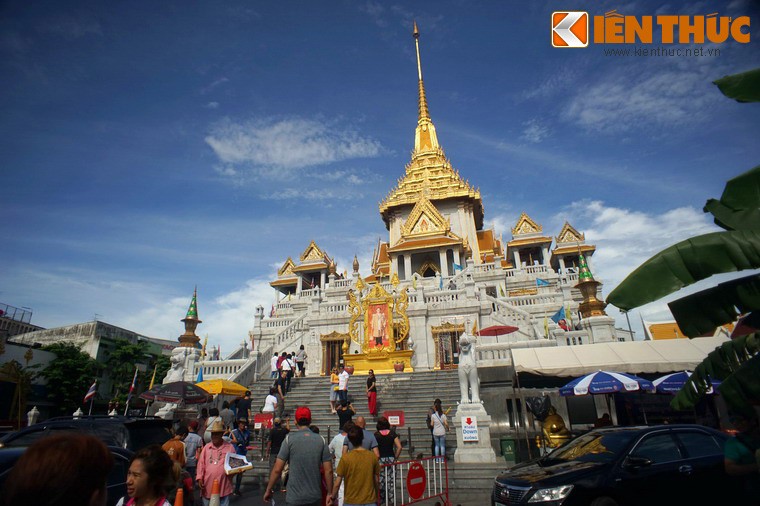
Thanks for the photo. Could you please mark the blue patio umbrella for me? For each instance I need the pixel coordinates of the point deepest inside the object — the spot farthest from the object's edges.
(606, 382)
(674, 382)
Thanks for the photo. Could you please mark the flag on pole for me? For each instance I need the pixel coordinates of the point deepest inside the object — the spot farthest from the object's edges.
(559, 315)
(91, 392)
(153, 379)
(546, 327)
(541, 282)
(200, 375)
(414, 282)
(203, 350)
(440, 282)
(132, 386)
(271, 312)
(569, 317)
(501, 291)
(457, 267)
(475, 329)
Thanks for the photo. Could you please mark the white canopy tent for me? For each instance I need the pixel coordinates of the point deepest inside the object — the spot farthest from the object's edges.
(634, 357)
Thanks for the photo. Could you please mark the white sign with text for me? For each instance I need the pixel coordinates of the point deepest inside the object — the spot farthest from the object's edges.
(469, 428)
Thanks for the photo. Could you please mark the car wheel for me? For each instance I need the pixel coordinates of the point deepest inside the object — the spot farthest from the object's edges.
(604, 501)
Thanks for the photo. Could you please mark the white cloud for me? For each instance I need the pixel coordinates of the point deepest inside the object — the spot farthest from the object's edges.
(313, 195)
(534, 131)
(558, 80)
(214, 84)
(278, 149)
(625, 239)
(655, 95)
(212, 105)
(227, 318)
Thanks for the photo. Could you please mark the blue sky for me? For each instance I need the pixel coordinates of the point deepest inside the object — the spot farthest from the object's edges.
(148, 147)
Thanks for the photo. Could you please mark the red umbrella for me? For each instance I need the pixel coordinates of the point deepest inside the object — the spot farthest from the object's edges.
(497, 330)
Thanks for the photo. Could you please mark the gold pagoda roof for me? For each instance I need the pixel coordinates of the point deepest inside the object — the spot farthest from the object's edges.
(284, 282)
(429, 173)
(424, 242)
(565, 250)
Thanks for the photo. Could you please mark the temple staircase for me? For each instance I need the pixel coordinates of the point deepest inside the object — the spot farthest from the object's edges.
(470, 484)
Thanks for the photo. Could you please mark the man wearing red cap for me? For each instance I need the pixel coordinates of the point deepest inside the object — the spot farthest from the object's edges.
(305, 452)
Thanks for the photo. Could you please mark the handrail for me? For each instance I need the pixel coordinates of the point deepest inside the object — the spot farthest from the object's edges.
(517, 315)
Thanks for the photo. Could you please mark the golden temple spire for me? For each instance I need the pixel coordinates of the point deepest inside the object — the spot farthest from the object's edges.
(425, 138)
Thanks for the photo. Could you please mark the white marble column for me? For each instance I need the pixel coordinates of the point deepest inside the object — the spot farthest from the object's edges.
(322, 280)
(408, 266)
(298, 284)
(545, 254)
(444, 263)
(518, 262)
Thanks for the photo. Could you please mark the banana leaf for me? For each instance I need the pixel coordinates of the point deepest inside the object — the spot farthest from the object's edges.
(744, 87)
(686, 263)
(739, 205)
(736, 363)
(701, 312)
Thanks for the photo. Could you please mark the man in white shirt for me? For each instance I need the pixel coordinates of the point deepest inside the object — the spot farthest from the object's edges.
(343, 384)
(336, 449)
(273, 366)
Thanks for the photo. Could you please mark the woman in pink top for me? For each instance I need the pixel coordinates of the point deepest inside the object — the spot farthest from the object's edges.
(211, 466)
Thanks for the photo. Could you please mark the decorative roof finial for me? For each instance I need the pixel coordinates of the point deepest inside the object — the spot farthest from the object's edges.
(191, 321)
(584, 272)
(356, 264)
(424, 113)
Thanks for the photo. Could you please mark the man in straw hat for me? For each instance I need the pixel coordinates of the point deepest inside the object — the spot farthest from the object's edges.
(211, 466)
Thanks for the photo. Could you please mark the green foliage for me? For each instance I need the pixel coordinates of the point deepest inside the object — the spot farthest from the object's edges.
(121, 364)
(743, 87)
(14, 372)
(686, 263)
(69, 376)
(162, 365)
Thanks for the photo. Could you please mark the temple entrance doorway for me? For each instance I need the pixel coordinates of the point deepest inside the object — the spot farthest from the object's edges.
(446, 341)
(332, 351)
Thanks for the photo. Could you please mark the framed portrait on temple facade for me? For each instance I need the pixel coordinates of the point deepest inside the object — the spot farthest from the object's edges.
(379, 325)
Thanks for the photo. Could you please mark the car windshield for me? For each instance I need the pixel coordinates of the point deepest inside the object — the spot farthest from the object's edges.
(594, 447)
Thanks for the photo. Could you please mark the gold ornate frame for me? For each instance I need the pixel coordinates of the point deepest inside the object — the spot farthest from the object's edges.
(358, 308)
(443, 329)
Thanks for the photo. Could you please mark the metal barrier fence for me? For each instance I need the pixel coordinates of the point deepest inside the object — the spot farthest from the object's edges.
(412, 481)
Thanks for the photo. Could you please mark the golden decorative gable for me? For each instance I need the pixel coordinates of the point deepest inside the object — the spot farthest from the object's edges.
(425, 219)
(287, 268)
(525, 225)
(430, 174)
(569, 234)
(312, 252)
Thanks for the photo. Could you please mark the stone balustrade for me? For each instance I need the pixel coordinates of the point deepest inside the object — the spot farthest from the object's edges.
(553, 299)
(277, 322)
(335, 307)
(307, 294)
(220, 369)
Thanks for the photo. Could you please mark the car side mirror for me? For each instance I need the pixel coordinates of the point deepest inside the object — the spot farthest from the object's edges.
(636, 462)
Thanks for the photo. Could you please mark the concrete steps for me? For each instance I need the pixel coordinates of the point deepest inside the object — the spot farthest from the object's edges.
(469, 484)
(412, 393)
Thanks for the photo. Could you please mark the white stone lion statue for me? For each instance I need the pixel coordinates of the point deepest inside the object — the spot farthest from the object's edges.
(468, 371)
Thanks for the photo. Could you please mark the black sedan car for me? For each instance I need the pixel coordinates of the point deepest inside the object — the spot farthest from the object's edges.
(618, 466)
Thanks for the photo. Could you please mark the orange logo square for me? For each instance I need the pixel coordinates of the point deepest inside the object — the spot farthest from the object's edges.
(570, 29)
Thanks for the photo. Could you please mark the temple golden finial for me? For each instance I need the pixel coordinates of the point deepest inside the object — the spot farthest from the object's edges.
(424, 113)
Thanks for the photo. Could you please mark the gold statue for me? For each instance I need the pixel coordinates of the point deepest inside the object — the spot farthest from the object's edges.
(554, 429)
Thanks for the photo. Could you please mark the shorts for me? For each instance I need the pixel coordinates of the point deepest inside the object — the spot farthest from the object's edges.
(333, 393)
